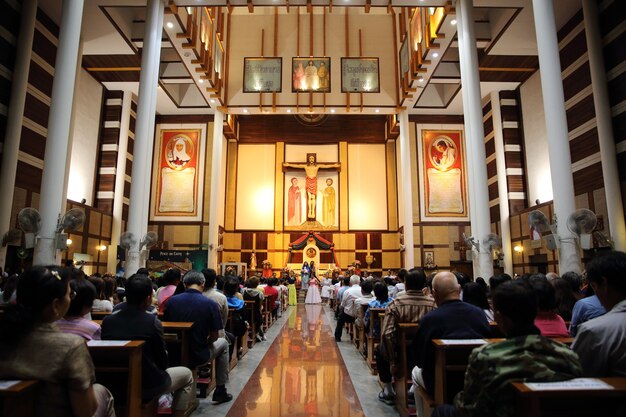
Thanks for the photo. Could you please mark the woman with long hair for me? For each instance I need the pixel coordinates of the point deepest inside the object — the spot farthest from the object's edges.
(32, 347)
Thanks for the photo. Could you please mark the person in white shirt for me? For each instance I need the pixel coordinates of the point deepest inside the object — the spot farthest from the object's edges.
(346, 309)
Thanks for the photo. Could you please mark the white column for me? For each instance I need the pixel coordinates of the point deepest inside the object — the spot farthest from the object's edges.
(556, 126)
(120, 179)
(11, 147)
(503, 188)
(59, 122)
(144, 132)
(407, 191)
(468, 152)
(475, 135)
(610, 175)
(216, 177)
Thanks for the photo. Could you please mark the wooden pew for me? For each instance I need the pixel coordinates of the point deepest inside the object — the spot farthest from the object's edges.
(610, 402)
(178, 340)
(249, 314)
(377, 316)
(19, 400)
(451, 360)
(99, 315)
(268, 319)
(119, 369)
(244, 339)
(406, 332)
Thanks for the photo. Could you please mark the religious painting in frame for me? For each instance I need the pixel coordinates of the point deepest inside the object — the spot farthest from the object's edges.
(310, 75)
(178, 174)
(326, 202)
(404, 58)
(262, 75)
(360, 75)
(444, 185)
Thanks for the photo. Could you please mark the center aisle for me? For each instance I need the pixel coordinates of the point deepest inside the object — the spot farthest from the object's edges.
(302, 373)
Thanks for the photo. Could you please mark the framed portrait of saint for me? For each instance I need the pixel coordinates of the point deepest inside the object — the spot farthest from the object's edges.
(444, 186)
(178, 173)
(310, 75)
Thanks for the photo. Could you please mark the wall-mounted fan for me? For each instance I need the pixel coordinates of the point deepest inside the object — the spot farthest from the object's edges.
(128, 240)
(539, 223)
(581, 223)
(471, 242)
(149, 240)
(492, 242)
(29, 221)
(71, 221)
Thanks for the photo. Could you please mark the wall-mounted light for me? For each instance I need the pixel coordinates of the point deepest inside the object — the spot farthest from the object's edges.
(518, 248)
(68, 242)
(101, 248)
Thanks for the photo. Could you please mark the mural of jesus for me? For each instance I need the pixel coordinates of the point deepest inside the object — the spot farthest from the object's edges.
(310, 169)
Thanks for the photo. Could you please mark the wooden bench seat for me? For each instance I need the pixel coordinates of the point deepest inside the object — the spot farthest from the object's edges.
(402, 382)
(119, 369)
(377, 316)
(610, 402)
(19, 399)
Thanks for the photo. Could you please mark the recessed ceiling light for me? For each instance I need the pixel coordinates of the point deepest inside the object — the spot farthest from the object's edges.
(377, 110)
(435, 54)
(332, 110)
(200, 80)
(245, 110)
(212, 100)
(170, 25)
(453, 22)
(288, 110)
(420, 79)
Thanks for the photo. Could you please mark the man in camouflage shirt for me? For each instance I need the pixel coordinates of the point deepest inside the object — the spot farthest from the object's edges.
(524, 356)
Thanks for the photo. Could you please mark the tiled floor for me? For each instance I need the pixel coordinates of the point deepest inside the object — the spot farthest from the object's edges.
(300, 371)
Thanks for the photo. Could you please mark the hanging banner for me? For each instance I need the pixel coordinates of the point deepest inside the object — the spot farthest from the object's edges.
(444, 185)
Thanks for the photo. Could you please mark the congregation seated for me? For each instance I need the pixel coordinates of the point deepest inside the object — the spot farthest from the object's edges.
(74, 321)
(239, 326)
(206, 345)
(524, 356)
(32, 347)
(452, 319)
(585, 309)
(408, 307)
(381, 300)
(212, 293)
(272, 293)
(170, 281)
(101, 303)
(547, 321)
(253, 293)
(362, 303)
(565, 296)
(132, 322)
(601, 342)
(476, 294)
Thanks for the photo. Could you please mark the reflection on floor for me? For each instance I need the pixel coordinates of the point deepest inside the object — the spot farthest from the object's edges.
(301, 372)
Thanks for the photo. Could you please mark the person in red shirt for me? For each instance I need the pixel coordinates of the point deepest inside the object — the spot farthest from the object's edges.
(272, 293)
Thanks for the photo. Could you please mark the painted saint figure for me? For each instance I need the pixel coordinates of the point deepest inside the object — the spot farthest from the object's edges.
(298, 77)
(311, 168)
(294, 206)
(322, 74)
(178, 155)
(311, 78)
(328, 204)
(448, 155)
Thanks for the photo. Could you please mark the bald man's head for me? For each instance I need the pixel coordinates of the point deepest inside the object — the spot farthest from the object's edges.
(446, 287)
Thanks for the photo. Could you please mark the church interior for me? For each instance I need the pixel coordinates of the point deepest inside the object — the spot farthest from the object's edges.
(232, 200)
(478, 136)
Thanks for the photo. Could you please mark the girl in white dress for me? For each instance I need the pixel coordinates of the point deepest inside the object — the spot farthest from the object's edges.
(313, 293)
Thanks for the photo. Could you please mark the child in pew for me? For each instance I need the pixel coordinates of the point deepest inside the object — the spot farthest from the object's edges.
(74, 321)
(32, 347)
(132, 322)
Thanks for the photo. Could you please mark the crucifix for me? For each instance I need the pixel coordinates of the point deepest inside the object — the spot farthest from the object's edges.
(310, 168)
